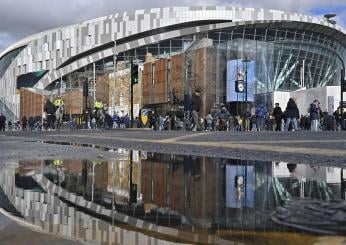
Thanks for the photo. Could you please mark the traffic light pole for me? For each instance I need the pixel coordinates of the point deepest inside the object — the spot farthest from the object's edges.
(342, 88)
(131, 94)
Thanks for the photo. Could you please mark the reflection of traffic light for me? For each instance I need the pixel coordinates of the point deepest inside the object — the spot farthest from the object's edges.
(133, 193)
(134, 74)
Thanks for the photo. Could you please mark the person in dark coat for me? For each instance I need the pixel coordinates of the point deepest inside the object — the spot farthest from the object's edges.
(50, 109)
(338, 117)
(108, 121)
(24, 123)
(292, 112)
(278, 114)
(152, 120)
(2, 122)
(195, 108)
(314, 115)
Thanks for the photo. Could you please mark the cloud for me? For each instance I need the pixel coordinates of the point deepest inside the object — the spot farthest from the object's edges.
(21, 18)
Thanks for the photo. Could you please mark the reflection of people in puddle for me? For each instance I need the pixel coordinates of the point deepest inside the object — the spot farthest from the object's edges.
(192, 165)
(291, 167)
(195, 168)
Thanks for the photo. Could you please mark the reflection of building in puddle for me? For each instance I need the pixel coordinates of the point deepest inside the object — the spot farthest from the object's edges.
(190, 186)
(123, 173)
(192, 193)
(212, 192)
(54, 215)
(302, 180)
(92, 180)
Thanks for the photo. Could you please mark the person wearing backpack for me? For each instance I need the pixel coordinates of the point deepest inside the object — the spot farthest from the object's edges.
(260, 117)
(292, 112)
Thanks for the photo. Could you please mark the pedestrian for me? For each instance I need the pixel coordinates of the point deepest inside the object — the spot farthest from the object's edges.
(223, 118)
(278, 114)
(161, 123)
(292, 112)
(195, 108)
(209, 122)
(2, 122)
(260, 117)
(314, 115)
(24, 123)
(152, 120)
(49, 109)
(338, 117)
(319, 115)
(247, 119)
(115, 119)
(9, 126)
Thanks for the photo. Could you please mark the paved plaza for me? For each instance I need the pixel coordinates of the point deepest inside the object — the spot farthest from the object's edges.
(323, 148)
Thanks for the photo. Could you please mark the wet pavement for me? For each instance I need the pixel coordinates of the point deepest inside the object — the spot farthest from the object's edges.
(144, 198)
(230, 188)
(326, 148)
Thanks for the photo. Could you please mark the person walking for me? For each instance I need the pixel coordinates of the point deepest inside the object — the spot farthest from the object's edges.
(49, 109)
(152, 120)
(2, 122)
(260, 117)
(292, 112)
(247, 119)
(278, 114)
(338, 117)
(24, 123)
(314, 115)
(195, 108)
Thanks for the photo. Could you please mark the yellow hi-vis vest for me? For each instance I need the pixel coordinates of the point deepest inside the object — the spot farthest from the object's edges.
(98, 105)
(58, 102)
(57, 162)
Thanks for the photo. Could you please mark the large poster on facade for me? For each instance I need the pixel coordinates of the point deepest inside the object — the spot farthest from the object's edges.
(236, 71)
(240, 186)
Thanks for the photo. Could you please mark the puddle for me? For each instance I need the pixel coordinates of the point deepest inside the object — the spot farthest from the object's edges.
(146, 198)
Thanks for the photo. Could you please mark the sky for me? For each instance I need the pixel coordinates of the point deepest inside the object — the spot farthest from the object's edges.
(21, 18)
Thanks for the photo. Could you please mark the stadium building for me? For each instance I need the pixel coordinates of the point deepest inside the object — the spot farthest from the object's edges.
(275, 54)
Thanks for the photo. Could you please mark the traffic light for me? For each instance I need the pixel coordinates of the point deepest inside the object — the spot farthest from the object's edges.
(343, 82)
(85, 89)
(134, 74)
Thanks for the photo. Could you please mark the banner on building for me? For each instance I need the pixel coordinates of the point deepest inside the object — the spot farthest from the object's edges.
(240, 186)
(236, 70)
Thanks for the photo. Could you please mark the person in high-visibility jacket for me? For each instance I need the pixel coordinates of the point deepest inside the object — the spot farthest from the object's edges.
(58, 163)
(58, 102)
(98, 105)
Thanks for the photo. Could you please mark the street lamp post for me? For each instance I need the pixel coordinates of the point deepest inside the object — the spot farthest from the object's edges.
(246, 83)
(114, 79)
(60, 91)
(328, 18)
(342, 88)
(246, 60)
(94, 82)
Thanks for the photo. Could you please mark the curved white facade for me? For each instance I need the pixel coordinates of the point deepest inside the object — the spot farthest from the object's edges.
(63, 50)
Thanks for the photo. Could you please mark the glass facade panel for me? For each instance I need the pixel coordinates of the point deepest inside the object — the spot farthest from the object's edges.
(285, 60)
(7, 60)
